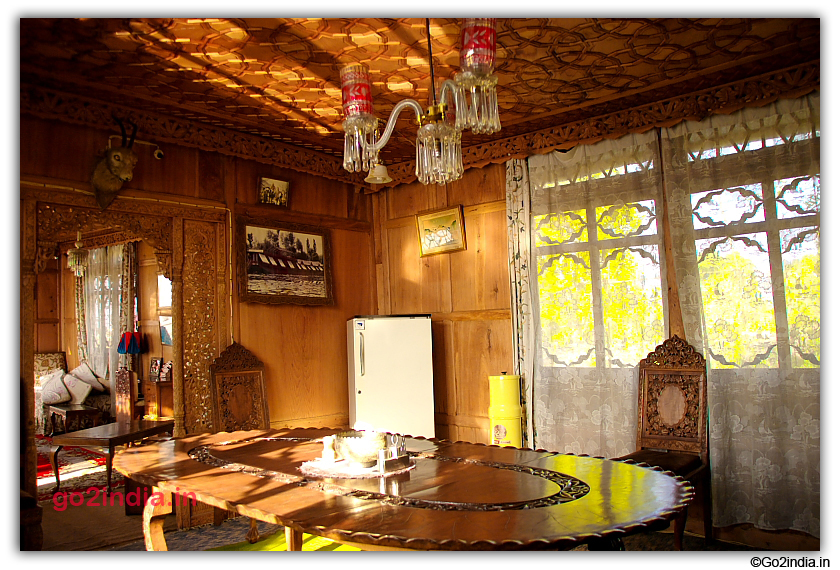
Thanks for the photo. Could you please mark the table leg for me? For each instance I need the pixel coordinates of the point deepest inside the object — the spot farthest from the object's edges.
(108, 461)
(54, 462)
(154, 515)
(52, 424)
(294, 539)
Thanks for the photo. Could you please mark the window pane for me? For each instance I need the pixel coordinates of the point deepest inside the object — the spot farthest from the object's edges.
(632, 300)
(801, 260)
(561, 227)
(799, 196)
(737, 301)
(722, 207)
(623, 220)
(566, 317)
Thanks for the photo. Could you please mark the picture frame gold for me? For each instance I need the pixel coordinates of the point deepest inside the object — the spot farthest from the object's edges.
(274, 192)
(279, 262)
(441, 231)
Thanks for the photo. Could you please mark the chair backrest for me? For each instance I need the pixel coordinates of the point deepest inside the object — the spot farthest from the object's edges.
(237, 382)
(672, 399)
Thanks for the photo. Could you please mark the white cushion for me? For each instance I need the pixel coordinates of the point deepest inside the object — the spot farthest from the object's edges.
(44, 378)
(84, 373)
(78, 389)
(53, 391)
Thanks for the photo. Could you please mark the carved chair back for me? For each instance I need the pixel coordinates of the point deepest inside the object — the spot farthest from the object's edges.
(672, 399)
(237, 381)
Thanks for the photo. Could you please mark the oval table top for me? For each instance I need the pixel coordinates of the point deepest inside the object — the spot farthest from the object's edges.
(456, 496)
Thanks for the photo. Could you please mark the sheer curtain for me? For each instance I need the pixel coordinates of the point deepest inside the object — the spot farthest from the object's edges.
(596, 290)
(744, 200)
(103, 280)
(743, 196)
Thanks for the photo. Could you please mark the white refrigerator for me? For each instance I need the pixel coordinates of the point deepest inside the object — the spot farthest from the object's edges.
(390, 374)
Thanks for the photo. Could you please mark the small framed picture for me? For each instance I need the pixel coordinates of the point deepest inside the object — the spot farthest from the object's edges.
(274, 192)
(154, 369)
(441, 231)
(166, 371)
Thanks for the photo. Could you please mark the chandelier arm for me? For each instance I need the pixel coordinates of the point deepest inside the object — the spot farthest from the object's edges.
(392, 120)
(450, 87)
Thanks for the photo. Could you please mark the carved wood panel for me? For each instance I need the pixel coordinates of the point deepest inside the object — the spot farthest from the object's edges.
(200, 313)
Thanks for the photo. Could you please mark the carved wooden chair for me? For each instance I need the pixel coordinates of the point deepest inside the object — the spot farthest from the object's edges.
(237, 385)
(672, 432)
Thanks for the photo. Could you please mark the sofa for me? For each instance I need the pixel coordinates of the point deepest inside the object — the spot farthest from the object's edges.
(54, 384)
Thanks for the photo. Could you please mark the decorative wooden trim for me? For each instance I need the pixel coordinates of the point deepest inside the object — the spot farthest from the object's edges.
(787, 83)
(790, 82)
(54, 105)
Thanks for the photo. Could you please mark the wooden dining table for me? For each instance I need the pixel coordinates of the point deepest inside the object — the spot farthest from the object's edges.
(455, 496)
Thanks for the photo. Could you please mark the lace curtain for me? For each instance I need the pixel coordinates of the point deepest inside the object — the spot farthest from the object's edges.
(103, 281)
(743, 200)
(594, 260)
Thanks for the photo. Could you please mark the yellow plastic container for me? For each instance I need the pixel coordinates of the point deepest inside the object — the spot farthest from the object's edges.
(505, 411)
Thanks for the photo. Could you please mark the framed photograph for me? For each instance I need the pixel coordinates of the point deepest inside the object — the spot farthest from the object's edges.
(154, 369)
(275, 192)
(166, 371)
(441, 231)
(283, 263)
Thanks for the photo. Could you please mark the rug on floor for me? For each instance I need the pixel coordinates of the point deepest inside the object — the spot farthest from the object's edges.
(80, 471)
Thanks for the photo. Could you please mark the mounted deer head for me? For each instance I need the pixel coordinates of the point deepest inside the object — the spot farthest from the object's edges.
(114, 168)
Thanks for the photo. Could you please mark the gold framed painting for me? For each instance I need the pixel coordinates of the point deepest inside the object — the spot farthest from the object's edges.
(441, 231)
(278, 262)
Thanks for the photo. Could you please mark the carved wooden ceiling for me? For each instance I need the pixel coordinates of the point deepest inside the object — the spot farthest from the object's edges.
(276, 81)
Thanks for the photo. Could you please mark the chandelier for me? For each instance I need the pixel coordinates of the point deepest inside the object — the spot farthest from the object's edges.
(472, 94)
(77, 257)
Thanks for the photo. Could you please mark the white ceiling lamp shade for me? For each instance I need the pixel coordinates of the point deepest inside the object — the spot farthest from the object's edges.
(438, 158)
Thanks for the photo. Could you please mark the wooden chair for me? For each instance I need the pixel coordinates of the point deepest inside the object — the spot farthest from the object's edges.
(237, 387)
(237, 383)
(672, 431)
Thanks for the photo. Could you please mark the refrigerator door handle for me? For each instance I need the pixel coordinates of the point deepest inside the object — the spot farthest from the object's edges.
(362, 353)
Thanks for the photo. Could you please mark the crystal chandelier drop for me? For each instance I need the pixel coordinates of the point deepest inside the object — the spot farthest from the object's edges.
(77, 258)
(438, 158)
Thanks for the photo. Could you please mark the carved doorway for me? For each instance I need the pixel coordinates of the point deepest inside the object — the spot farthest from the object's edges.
(190, 247)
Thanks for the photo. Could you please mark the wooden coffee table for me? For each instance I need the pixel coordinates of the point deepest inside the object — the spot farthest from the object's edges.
(107, 436)
(458, 496)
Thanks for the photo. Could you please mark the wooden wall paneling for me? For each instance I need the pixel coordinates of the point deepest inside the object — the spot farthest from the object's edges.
(179, 173)
(409, 199)
(211, 176)
(482, 349)
(417, 284)
(149, 323)
(443, 370)
(304, 348)
(51, 157)
(380, 256)
(481, 281)
(47, 299)
(478, 186)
